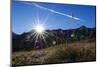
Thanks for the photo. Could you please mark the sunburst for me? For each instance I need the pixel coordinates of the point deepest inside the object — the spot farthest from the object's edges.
(40, 29)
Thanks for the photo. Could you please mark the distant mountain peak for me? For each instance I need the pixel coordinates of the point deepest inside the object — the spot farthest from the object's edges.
(14, 35)
(83, 27)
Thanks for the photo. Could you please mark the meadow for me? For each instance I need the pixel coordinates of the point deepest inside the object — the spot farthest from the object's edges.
(76, 51)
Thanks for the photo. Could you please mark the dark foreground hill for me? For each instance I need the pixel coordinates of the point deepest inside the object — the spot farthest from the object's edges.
(26, 41)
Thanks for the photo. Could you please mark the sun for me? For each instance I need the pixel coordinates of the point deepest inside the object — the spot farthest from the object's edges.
(39, 29)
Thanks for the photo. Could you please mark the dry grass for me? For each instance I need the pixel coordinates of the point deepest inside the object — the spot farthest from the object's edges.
(71, 52)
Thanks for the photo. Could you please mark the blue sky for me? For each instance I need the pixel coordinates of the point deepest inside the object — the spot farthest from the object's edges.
(25, 13)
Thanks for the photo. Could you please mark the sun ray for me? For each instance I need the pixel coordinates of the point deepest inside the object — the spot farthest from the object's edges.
(46, 18)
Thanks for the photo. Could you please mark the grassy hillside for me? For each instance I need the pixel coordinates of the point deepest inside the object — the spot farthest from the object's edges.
(70, 52)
